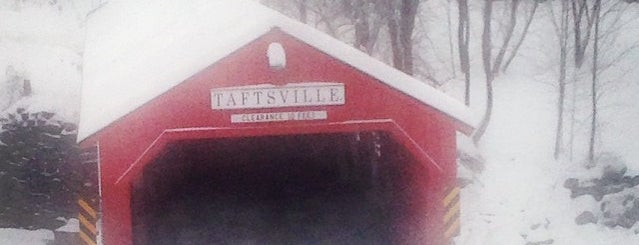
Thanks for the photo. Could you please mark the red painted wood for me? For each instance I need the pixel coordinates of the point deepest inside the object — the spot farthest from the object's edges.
(137, 137)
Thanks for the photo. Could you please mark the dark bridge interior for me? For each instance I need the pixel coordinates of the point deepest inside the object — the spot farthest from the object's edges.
(299, 189)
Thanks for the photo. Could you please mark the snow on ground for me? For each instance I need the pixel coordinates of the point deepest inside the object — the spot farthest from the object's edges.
(10, 236)
(73, 225)
(520, 197)
(25, 237)
(513, 177)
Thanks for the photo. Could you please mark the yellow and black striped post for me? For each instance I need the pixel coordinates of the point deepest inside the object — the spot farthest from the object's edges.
(88, 218)
(451, 204)
(89, 198)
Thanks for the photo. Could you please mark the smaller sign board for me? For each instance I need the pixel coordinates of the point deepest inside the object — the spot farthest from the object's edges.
(279, 116)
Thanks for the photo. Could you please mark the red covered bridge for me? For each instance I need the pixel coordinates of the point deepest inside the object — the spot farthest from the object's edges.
(213, 127)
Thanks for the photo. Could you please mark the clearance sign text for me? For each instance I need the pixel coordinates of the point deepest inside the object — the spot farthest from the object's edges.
(279, 116)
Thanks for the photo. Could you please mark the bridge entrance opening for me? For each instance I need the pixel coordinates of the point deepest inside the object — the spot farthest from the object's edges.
(339, 188)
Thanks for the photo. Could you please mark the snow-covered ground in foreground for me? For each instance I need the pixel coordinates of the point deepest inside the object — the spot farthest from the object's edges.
(25, 237)
(10, 236)
(520, 197)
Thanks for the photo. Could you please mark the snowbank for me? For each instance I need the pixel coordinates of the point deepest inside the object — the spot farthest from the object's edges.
(25, 237)
(72, 225)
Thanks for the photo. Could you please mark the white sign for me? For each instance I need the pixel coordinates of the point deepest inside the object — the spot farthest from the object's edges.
(279, 116)
(271, 96)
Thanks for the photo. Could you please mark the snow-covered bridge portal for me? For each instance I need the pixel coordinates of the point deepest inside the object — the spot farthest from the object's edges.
(213, 127)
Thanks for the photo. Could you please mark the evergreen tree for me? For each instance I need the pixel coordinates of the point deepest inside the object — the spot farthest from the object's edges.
(37, 177)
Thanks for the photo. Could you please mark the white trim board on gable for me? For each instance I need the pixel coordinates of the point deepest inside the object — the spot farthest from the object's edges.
(137, 50)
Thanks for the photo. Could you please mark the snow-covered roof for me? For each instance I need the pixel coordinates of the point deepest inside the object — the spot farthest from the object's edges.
(136, 50)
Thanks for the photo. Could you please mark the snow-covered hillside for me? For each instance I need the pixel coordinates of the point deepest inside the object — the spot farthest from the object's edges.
(42, 42)
(520, 197)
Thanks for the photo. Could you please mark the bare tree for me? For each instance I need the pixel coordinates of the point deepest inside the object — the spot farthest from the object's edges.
(582, 26)
(582, 20)
(401, 23)
(563, 55)
(327, 15)
(595, 70)
(597, 24)
(463, 38)
(360, 22)
(301, 6)
(523, 35)
(451, 47)
(487, 46)
(367, 22)
(492, 68)
(562, 32)
(507, 37)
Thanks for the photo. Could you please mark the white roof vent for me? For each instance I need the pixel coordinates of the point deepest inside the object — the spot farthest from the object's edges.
(276, 56)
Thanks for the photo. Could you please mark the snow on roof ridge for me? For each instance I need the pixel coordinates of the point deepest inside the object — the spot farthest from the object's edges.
(144, 69)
